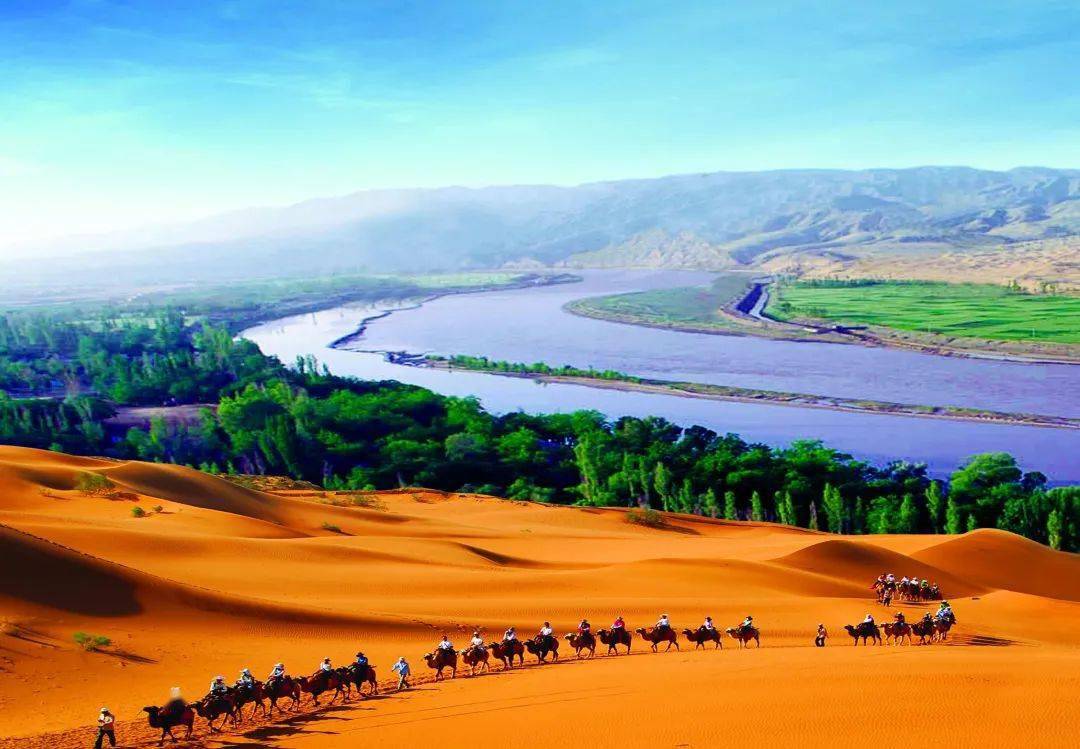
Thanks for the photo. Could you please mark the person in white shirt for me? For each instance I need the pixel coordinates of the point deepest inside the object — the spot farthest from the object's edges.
(708, 624)
(446, 644)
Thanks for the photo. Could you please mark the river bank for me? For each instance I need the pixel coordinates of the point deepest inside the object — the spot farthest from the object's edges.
(748, 314)
(618, 381)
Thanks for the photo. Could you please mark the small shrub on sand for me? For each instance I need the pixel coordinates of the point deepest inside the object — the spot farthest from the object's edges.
(90, 643)
(138, 512)
(331, 527)
(648, 517)
(93, 483)
(159, 509)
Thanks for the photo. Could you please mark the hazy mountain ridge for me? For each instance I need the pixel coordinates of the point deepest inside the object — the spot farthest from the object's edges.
(712, 220)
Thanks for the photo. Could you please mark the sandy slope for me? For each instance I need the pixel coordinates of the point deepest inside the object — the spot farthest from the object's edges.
(226, 577)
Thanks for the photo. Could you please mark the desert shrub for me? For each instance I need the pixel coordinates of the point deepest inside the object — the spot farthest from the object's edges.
(93, 483)
(138, 512)
(159, 508)
(331, 527)
(648, 517)
(91, 642)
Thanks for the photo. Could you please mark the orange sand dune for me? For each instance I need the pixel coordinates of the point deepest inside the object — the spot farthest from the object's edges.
(225, 577)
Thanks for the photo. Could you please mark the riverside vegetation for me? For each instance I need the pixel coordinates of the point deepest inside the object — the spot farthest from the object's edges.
(344, 433)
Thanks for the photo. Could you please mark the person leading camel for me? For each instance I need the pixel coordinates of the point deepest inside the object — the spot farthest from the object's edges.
(106, 728)
(403, 671)
(822, 635)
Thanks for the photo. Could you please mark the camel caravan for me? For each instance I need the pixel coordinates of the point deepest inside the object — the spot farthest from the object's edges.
(224, 703)
(906, 589)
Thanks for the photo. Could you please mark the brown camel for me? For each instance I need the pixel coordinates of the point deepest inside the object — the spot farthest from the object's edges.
(243, 695)
(866, 631)
(896, 632)
(941, 628)
(744, 635)
(613, 638)
(541, 647)
(581, 642)
(286, 686)
(356, 676)
(507, 650)
(440, 659)
(476, 658)
(322, 681)
(924, 630)
(167, 721)
(700, 636)
(213, 707)
(655, 636)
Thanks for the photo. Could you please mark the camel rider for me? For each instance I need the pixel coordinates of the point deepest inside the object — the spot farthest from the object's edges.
(663, 623)
(510, 635)
(361, 662)
(899, 617)
(903, 580)
(927, 619)
(325, 668)
(869, 620)
(944, 611)
(619, 623)
(218, 687)
(748, 624)
(276, 675)
(584, 627)
(246, 680)
(546, 631)
(708, 625)
(477, 642)
(445, 644)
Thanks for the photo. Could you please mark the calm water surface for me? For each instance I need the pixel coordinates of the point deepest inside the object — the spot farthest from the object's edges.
(529, 325)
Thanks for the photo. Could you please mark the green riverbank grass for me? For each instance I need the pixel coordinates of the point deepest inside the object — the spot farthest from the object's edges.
(963, 310)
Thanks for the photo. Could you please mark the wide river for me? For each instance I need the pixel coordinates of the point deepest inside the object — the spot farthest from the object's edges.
(529, 325)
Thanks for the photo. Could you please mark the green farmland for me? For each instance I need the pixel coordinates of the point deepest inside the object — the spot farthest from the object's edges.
(958, 310)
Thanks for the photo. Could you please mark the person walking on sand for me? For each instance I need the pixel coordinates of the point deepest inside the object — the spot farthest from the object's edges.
(105, 728)
(822, 635)
(402, 670)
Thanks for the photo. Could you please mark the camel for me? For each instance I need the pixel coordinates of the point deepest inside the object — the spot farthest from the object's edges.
(655, 636)
(580, 642)
(925, 630)
(353, 675)
(744, 635)
(213, 707)
(897, 630)
(476, 659)
(166, 721)
(322, 681)
(286, 686)
(942, 627)
(507, 650)
(243, 695)
(866, 631)
(700, 636)
(440, 659)
(541, 647)
(613, 638)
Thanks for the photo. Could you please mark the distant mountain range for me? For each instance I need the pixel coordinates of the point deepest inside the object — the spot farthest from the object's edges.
(710, 221)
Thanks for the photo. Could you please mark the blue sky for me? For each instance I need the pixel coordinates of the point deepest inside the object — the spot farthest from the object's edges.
(121, 113)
